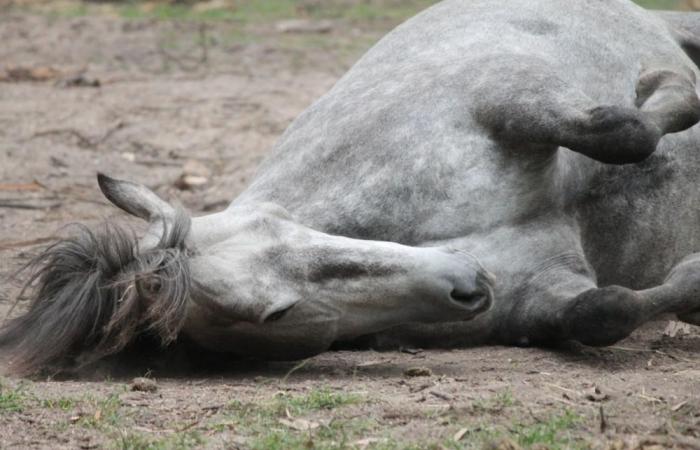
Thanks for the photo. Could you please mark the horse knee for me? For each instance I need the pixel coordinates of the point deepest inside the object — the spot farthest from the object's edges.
(602, 316)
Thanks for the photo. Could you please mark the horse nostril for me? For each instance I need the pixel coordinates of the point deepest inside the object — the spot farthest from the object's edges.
(277, 315)
(476, 300)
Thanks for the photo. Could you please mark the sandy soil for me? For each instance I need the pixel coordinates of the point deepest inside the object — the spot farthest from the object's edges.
(167, 103)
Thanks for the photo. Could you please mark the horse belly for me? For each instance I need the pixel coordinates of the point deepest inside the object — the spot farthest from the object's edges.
(638, 221)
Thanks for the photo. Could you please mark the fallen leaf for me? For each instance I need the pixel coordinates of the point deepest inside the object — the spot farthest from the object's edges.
(143, 384)
(364, 443)
(300, 424)
(22, 73)
(33, 186)
(460, 434)
(418, 372)
(304, 26)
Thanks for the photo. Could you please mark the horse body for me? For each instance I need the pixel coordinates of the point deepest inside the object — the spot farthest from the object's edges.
(520, 174)
(394, 151)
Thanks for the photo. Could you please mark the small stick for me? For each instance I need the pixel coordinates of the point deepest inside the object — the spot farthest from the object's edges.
(603, 421)
(13, 205)
(18, 244)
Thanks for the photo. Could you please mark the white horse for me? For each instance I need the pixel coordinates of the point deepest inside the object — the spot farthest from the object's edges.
(507, 154)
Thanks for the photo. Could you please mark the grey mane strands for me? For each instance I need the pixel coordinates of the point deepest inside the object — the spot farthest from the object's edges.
(94, 293)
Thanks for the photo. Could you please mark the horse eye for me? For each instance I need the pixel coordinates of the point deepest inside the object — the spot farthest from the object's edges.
(275, 316)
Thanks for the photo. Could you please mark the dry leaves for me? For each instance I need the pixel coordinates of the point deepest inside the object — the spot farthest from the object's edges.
(143, 384)
(14, 74)
(412, 372)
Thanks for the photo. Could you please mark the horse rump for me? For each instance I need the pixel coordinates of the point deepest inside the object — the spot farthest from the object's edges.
(95, 292)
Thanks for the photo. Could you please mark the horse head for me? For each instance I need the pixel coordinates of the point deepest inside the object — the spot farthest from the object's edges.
(249, 281)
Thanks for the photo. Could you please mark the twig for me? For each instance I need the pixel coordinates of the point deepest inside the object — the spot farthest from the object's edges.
(213, 407)
(19, 244)
(442, 396)
(33, 186)
(157, 162)
(294, 369)
(648, 350)
(556, 386)
(12, 205)
(671, 441)
(83, 141)
(649, 399)
(603, 421)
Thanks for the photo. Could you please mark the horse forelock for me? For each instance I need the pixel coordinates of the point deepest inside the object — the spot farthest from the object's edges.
(94, 292)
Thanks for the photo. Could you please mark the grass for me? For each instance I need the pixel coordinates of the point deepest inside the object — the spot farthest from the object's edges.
(317, 399)
(62, 403)
(264, 426)
(271, 424)
(172, 441)
(253, 11)
(659, 4)
(321, 418)
(555, 432)
(259, 11)
(11, 399)
(495, 404)
(246, 11)
(104, 413)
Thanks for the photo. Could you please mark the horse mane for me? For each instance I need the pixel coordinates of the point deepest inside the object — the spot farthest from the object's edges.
(94, 293)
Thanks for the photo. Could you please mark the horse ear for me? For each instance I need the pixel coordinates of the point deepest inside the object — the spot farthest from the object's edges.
(135, 199)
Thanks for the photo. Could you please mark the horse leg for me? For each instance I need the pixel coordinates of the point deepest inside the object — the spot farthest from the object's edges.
(600, 316)
(532, 104)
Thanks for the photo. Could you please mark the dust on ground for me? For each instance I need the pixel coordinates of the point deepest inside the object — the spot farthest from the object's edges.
(150, 100)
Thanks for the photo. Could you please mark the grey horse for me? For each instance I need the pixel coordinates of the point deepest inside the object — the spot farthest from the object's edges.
(521, 172)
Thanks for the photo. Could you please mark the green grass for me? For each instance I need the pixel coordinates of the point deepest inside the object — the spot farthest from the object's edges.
(11, 399)
(659, 4)
(495, 404)
(172, 441)
(315, 400)
(554, 432)
(265, 11)
(255, 11)
(62, 403)
(248, 11)
(265, 424)
(104, 412)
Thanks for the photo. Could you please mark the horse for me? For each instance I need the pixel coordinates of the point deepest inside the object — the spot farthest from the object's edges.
(519, 173)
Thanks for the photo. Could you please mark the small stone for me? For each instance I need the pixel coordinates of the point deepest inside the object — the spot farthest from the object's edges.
(143, 384)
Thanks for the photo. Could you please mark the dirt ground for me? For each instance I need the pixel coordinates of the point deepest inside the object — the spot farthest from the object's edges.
(151, 100)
